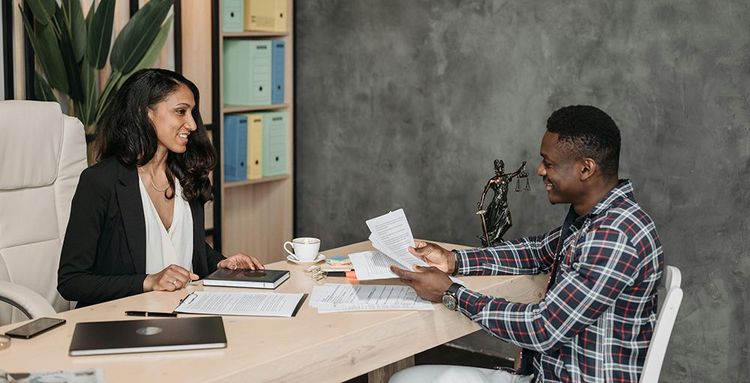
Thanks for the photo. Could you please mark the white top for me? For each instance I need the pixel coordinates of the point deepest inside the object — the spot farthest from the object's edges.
(165, 247)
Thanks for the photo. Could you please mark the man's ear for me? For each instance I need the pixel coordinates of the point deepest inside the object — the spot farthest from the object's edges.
(588, 168)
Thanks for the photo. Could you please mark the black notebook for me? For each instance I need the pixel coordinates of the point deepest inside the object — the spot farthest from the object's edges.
(262, 279)
(147, 335)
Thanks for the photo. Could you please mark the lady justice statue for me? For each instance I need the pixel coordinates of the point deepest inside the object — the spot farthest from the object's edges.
(496, 218)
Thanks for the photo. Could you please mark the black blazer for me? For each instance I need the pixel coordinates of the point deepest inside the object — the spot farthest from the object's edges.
(104, 252)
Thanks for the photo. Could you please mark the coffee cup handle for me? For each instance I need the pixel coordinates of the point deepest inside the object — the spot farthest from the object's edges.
(287, 249)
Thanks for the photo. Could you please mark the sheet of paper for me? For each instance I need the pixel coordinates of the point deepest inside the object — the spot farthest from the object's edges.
(330, 298)
(392, 235)
(240, 303)
(372, 265)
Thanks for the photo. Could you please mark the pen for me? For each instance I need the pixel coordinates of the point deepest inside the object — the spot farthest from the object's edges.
(149, 314)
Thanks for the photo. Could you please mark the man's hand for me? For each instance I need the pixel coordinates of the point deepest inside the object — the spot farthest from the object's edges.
(241, 261)
(434, 255)
(429, 282)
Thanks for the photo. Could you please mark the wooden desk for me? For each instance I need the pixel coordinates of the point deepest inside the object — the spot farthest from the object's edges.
(310, 347)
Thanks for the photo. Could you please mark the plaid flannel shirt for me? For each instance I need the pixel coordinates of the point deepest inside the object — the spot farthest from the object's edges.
(596, 321)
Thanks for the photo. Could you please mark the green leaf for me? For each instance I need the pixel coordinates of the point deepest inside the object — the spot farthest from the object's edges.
(72, 69)
(153, 52)
(46, 47)
(107, 94)
(90, 15)
(100, 34)
(90, 93)
(76, 26)
(43, 10)
(138, 35)
(42, 90)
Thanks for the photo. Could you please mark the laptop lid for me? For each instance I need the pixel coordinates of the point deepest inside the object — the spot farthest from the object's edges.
(147, 335)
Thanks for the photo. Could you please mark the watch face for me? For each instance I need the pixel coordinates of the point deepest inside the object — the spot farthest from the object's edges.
(449, 301)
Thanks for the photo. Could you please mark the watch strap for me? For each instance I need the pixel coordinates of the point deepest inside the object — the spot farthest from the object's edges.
(453, 289)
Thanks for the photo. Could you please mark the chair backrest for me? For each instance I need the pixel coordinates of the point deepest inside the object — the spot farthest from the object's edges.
(660, 339)
(42, 152)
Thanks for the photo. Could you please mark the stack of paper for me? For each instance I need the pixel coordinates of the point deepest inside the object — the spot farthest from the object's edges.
(331, 298)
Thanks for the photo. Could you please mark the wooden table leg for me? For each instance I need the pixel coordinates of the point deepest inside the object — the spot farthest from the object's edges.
(382, 374)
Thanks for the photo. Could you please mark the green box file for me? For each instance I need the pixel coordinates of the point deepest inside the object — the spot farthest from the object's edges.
(232, 15)
(274, 143)
(247, 72)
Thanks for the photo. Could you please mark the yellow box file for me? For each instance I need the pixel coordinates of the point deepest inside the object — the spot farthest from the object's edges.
(266, 15)
(254, 146)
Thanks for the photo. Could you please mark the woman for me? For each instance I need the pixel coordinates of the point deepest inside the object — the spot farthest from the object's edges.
(136, 221)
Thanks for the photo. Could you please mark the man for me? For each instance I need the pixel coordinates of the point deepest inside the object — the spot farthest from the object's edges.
(597, 317)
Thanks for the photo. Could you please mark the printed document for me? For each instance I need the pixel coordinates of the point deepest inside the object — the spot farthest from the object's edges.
(391, 235)
(331, 298)
(240, 303)
(371, 265)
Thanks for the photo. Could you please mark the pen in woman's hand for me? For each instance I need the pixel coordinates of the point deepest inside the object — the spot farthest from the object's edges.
(149, 314)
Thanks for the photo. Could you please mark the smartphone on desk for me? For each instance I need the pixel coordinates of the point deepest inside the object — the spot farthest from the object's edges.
(35, 327)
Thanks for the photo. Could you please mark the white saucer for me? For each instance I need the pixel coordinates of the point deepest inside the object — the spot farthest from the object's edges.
(319, 258)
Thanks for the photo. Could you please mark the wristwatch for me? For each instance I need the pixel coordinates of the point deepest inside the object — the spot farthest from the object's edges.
(449, 297)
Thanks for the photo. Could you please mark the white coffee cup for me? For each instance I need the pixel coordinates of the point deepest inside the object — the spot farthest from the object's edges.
(304, 249)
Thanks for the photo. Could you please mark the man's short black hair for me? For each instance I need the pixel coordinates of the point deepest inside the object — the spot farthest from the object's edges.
(588, 132)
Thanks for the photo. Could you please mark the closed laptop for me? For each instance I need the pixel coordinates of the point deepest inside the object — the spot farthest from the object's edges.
(147, 335)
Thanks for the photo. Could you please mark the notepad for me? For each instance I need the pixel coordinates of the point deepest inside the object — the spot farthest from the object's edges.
(262, 279)
(147, 335)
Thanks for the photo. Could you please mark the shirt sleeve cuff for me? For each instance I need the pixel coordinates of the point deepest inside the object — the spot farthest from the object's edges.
(462, 261)
(470, 303)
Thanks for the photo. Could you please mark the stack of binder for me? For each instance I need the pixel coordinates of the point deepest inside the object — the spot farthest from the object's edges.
(255, 145)
(254, 72)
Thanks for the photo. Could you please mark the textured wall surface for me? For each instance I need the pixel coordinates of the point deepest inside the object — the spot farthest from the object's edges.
(407, 103)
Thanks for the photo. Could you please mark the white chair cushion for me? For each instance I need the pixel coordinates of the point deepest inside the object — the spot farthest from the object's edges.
(30, 149)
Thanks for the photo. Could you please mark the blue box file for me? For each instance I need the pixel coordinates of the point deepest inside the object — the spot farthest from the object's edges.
(232, 15)
(235, 147)
(277, 71)
(274, 143)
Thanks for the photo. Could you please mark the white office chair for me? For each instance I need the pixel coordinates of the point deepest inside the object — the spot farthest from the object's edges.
(660, 339)
(42, 154)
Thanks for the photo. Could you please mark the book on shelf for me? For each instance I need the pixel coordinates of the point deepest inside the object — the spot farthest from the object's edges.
(262, 279)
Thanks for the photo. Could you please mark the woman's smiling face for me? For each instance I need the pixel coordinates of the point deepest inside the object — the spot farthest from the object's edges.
(172, 119)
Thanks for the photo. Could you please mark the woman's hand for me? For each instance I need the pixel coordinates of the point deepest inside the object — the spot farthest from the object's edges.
(241, 261)
(172, 278)
(435, 256)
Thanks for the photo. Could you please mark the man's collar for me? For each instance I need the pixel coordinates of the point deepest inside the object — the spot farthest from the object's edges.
(623, 190)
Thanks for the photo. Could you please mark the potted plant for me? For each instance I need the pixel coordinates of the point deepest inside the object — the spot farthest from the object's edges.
(71, 50)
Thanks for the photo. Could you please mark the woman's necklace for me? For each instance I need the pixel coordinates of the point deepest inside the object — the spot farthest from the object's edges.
(153, 185)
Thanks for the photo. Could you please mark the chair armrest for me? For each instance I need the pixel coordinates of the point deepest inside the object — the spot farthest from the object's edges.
(29, 302)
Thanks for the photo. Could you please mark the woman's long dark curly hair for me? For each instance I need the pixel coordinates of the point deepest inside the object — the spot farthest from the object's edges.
(126, 132)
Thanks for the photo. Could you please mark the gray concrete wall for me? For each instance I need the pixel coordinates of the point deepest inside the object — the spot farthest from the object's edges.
(407, 103)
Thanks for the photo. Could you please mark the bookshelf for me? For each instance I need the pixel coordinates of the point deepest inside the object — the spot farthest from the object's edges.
(252, 216)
